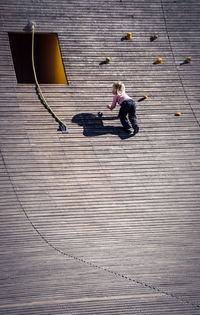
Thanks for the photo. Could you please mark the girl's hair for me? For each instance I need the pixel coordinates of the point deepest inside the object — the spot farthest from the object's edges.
(118, 87)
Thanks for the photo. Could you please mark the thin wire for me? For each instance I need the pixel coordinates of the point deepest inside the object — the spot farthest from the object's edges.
(173, 55)
(91, 264)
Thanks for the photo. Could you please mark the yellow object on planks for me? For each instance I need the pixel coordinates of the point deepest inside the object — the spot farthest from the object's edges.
(159, 60)
(129, 35)
(178, 114)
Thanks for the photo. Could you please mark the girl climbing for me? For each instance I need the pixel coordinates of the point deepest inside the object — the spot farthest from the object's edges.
(127, 112)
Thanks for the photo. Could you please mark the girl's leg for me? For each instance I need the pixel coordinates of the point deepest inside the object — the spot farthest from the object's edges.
(123, 116)
(132, 117)
(132, 114)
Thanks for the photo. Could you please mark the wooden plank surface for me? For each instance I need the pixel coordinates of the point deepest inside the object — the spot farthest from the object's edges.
(94, 222)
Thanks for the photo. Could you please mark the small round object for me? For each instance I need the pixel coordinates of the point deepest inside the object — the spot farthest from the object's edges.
(159, 60)
(178, 114)
(188, 59)
(128, 35)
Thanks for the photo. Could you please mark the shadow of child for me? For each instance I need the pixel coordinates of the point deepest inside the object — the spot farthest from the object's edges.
(93, 126)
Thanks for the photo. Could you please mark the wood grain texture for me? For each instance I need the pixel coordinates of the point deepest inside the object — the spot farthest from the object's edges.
(95, 222)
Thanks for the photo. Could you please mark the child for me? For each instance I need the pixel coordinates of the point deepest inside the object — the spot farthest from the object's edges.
(128, 107)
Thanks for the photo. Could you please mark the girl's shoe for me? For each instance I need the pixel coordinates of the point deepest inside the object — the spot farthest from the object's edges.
(136, 130)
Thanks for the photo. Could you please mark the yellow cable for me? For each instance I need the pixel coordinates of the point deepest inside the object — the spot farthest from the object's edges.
(37, 84)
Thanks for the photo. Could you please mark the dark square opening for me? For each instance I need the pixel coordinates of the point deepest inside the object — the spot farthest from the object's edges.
(48, 61)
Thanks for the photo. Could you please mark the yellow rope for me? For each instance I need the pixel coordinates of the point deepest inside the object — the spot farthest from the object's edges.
(38, 86)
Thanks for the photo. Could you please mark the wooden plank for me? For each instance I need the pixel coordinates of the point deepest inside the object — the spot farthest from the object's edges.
(95, 222)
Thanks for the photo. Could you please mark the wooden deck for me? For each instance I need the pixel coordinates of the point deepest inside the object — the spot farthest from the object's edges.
(94, 222)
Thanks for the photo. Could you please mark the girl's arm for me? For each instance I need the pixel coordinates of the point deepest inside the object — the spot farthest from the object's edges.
(114, 102)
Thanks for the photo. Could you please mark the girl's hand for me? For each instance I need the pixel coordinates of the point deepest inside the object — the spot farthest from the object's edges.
(108, 106)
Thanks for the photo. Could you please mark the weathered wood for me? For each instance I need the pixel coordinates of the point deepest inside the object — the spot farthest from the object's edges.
(95, 222)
